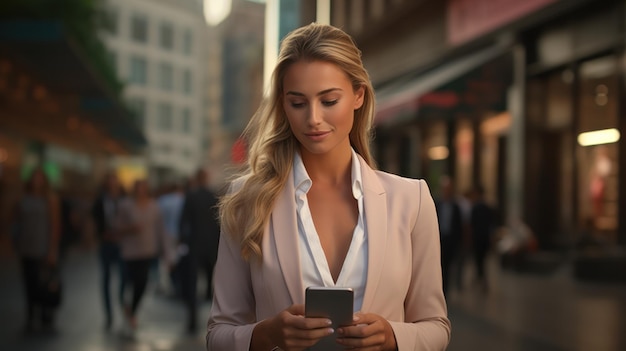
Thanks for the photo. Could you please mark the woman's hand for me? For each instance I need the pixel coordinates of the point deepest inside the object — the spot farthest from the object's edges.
(290, 331)
(370, 332)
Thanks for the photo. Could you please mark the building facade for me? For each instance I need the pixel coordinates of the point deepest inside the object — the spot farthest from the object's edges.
(523, 98)
(241, 36)
(160, 50)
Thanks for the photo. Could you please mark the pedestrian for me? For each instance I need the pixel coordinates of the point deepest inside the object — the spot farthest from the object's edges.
(143, 239)
(171, 205)
(200, 234)
(450, 229)
(311, 210)
(106, 215)
(36, 225)
(482, 229)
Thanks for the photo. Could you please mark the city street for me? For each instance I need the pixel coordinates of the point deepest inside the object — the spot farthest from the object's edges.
(521, 312)
(80, 321)
(538, 312)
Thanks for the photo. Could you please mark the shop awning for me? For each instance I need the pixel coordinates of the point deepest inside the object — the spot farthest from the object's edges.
(52, 91)
(401, 100)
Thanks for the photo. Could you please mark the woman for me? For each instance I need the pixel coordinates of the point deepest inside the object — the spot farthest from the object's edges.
(142, 240)
(37, 229)
(311, 210)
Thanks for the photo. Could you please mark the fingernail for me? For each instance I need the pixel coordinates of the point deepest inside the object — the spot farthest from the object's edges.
(355, 318)
(331, 330)
(340, 331)
(329, 322)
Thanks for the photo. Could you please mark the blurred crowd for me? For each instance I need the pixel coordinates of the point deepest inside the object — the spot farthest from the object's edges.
(470, 229)
(169, 235)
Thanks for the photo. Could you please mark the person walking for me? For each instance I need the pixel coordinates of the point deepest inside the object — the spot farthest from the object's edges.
(143, 238)
(106, 213)
(171, 205)
(450, 229)
(36, 229)
(200, 233)
(310, 209)
(482, 227)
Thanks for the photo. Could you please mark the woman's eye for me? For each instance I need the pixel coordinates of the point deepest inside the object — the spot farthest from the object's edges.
(329, 103)
(297, 104)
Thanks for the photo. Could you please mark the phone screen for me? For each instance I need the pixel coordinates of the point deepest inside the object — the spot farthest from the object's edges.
(333, 303)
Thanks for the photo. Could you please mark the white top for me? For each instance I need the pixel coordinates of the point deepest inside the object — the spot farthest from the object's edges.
(315, 270)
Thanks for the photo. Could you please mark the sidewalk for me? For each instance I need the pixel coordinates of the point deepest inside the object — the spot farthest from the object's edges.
(521, 312)
(80, 321)
(538, 312)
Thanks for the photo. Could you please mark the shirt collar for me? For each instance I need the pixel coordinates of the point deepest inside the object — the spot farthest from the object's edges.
(303, 182)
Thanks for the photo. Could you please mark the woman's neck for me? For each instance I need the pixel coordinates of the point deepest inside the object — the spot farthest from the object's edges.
(332, 168)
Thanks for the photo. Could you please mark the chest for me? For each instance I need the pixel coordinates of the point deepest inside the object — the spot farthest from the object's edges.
(334, 215)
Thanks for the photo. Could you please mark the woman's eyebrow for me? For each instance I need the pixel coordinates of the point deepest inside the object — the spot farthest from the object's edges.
(326, 91)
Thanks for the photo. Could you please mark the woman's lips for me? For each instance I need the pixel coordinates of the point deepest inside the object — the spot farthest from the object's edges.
(316, 136)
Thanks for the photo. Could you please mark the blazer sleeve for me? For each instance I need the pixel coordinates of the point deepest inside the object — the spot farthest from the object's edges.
(426, 325)
(233, 316)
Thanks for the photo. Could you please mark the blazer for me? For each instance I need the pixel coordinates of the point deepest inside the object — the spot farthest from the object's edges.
(404, 282)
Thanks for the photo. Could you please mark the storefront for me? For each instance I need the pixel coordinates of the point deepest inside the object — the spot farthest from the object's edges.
(530, 106)
(56, 112)
(574, 128)
(448, 122)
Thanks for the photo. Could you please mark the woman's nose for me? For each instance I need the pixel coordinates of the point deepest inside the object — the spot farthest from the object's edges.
(314, 115)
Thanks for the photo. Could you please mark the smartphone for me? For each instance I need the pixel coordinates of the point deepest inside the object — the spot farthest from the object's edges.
(333, 303)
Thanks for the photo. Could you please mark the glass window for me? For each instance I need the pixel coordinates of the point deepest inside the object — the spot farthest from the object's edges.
(187, 42)
(138, 109)
(187, 124)
(138, 70)
(166, 77)
(166, 36)
(165, 117)
(139, 29)
(549, 160)
(187, 82)
(597, 151)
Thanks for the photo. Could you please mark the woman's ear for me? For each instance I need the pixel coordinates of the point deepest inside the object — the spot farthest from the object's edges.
(359, 94)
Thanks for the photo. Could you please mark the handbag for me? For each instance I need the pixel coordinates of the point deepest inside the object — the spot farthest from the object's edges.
(50, 287)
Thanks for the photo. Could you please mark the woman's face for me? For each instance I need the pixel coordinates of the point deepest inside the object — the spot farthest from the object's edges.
(319, 102)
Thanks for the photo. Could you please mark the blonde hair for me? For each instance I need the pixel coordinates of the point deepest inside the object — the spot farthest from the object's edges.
(245, 211)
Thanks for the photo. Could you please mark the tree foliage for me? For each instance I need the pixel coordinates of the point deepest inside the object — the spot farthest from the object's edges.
(83, 19)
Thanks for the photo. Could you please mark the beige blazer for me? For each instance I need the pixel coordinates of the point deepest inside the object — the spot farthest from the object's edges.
(403, 277)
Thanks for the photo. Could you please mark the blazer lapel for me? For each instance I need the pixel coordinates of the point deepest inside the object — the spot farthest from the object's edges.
(285, 230)
(375, 204)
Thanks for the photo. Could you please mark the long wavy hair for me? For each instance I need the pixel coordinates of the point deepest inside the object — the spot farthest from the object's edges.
(246, 209)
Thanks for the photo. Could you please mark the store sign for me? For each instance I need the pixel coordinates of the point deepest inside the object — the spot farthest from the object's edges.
(469, 19)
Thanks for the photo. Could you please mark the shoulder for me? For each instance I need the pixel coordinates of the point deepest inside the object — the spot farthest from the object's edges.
(385, 182)
(398, 185)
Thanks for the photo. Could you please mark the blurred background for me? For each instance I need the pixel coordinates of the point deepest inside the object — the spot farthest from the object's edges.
(522, 99)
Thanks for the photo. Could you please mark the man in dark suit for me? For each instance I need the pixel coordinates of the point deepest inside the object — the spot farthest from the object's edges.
(482, 227)
(199, 232)
(104, 214)
(450, 228)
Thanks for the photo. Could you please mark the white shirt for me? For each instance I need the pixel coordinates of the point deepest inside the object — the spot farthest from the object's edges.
(315, 270)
